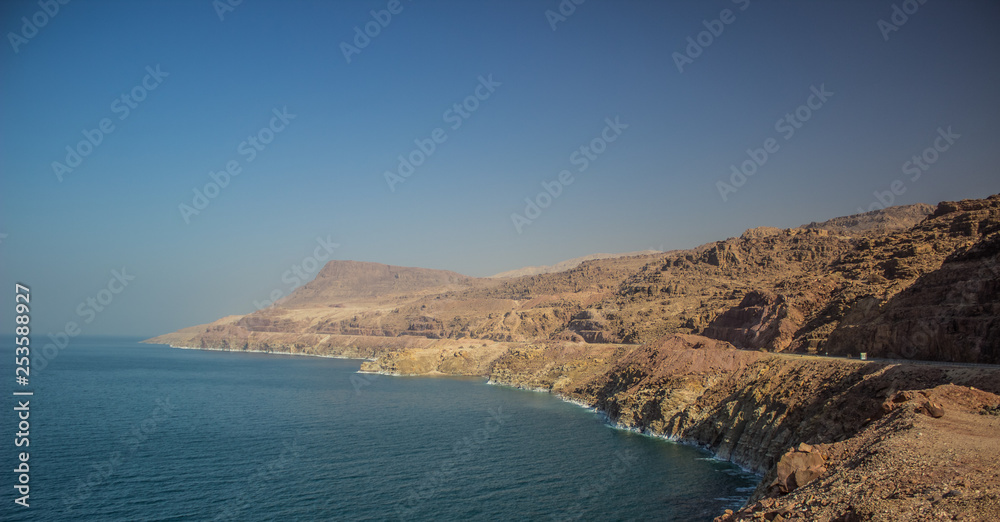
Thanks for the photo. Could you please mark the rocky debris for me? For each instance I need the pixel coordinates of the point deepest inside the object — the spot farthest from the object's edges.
(990, 410)
(902, 466)
(797, 467)
(916, 400)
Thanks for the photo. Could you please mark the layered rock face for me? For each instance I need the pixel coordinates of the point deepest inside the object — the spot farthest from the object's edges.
(845, 286)
(761, 321)
(951, 309)
(748, 407)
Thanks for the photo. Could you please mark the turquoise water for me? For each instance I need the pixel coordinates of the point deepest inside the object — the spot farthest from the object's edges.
(126, 431)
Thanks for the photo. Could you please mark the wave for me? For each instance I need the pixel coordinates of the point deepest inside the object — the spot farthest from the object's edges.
(645, 432)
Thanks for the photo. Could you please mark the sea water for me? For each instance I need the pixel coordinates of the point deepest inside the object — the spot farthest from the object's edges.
(127, 431)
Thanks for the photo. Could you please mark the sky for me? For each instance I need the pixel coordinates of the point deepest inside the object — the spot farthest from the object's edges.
(167, 163)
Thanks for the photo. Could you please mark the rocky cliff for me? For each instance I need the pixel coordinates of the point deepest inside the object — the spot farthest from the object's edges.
(842, 287)
(816, 428)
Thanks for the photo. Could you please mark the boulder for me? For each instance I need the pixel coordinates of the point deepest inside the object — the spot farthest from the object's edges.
(798, 467)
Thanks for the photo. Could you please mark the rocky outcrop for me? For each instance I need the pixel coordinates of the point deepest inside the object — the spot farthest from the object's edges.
(563, 266)
(904, 465)
(891, 219)
(951, 311)
(917, 401)
(808, 424)
(438, 358)
(591, 327)
(761, 322)
(748, 407)
(798, 467)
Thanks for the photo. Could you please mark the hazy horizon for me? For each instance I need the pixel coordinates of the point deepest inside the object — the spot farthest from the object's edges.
(627, 118)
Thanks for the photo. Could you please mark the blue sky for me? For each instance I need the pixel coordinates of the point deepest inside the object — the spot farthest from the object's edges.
(323, 174)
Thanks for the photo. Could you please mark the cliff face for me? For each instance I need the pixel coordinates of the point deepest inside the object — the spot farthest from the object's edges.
(951, 313)
(761, 322)
(748, 407)
(950, 310)
(835, 439)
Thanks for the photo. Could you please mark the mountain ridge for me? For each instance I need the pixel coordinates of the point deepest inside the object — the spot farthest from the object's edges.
(562, 266)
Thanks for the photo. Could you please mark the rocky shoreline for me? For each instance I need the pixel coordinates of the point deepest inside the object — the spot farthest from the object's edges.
(749, 408)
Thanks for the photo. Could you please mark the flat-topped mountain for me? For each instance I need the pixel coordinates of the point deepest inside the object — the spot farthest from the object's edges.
(340, 281)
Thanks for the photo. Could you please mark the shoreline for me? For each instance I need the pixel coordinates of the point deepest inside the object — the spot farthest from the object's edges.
(646, 432)
(607, 421)
(756, 416)
(267, 353)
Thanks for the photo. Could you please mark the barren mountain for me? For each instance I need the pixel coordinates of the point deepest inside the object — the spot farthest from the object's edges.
(341, 281)
(804, 290)
(890, 219)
